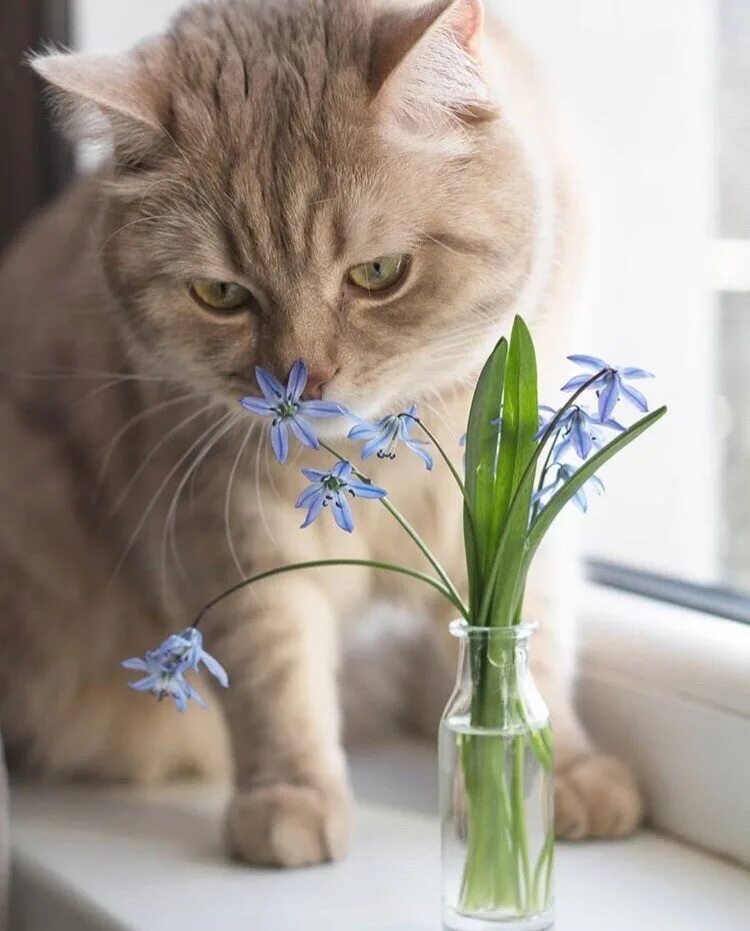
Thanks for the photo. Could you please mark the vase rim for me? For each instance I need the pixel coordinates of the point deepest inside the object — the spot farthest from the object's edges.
(462, 629)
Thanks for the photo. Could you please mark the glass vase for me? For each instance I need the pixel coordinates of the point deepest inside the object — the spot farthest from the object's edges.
(496, 787)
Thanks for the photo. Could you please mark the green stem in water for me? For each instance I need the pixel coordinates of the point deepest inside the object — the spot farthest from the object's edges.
(318, 563)
(426, 551)
(545, 860)
(520, 836)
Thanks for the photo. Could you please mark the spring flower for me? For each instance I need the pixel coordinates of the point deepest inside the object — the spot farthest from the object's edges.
(611, 386)
(578, 428)
(283, 403)
(564, 473)
(165, 667)
(382, 438)
(329, 488)
(169, 685)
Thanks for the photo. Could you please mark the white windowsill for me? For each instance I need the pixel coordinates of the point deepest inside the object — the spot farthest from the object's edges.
(89, 859)
(669, 690)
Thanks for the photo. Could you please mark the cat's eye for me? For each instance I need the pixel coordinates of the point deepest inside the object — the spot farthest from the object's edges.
(380, 274)
(222, 297)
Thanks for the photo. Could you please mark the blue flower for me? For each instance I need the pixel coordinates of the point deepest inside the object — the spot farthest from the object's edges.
(165, 667)
(330, 488)
(382, 438)
(564, 473)
(577, 428)
(284, 404)
(611, 386)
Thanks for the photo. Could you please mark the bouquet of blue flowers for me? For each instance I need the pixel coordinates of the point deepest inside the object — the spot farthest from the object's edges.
(523, 464)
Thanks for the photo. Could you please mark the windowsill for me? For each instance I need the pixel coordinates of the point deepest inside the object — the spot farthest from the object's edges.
(94, 859)
(668, 689)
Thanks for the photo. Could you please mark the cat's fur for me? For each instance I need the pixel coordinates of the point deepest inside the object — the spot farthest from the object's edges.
(275, 143)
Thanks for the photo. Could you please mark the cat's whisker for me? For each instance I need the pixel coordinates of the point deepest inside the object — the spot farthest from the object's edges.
(154, 499)
(155, 449)
(269, 471)
(191, 188)
(228, 499)
(143, 415)
(95, 392)
(258, 494)
(77, 374)
(128, 225)
(169, 534)
(441, 244)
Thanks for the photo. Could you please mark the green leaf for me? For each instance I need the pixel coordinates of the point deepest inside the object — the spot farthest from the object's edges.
(520, 425)
(542, 524)
(481, 461)
(514, 482)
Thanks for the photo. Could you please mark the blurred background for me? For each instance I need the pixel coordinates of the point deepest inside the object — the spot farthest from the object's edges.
(657, 100)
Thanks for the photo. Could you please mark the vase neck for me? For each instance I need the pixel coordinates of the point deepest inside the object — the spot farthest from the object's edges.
(494, 680)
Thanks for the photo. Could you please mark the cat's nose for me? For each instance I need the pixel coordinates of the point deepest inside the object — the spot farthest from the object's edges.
(317, 379)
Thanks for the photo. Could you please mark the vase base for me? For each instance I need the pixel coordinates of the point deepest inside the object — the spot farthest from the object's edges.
(455, 921)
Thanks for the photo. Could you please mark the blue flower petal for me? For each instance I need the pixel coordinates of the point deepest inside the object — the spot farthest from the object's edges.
(609, 395)
(297, 381)
(342, 470)
(215, 668)
(363, 490)
(135, 663)
(635, 397)
(304, 433)
(191, 692)
(259, 406)
(579, 499)
(315, 508)
(280, 440)
(613, 425)
(632, 373)
(147, 684)
(416, 447)
(576, 382)
(374, 445)
(580, 437)
(272, 389)
(364, 430)
(342, 513)
(308, 494)
(589, 362)
(321, 409)
(314, 475)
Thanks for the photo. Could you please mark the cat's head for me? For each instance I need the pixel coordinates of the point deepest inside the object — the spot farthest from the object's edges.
(319, 179)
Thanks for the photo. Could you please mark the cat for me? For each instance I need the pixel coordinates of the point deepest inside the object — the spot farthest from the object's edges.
(267, 157)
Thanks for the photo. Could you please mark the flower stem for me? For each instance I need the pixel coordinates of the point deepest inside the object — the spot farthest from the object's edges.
(452, 469)
(427, 552)
(443, 455)
(543, 475)
(317, 563)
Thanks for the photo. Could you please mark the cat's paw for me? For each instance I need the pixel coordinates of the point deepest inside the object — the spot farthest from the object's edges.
(288, 825)
(596, 796)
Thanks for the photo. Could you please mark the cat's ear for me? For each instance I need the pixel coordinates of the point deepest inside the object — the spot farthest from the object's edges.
(117, 96)
(426, 68)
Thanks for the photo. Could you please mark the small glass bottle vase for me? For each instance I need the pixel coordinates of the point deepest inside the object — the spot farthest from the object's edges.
(496, 787)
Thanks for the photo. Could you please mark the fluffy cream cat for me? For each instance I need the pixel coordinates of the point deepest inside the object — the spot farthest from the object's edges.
(266, 153)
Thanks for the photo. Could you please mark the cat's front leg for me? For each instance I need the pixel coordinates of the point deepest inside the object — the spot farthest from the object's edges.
(292, 804)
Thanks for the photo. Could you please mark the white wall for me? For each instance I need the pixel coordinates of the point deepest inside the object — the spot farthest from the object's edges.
(113, 25)
(636, 79)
